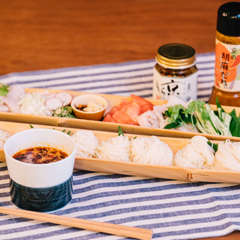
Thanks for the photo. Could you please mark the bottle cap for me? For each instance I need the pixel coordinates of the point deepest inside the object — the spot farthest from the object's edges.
(176, 55)
(228, 21)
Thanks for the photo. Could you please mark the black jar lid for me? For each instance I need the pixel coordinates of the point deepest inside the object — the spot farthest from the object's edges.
(176, 55)
(228, 21)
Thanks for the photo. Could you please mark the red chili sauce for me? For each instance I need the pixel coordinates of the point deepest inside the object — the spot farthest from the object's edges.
(40, 155)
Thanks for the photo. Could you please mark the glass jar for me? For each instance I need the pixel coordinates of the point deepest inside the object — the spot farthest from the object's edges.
(227, 68)
(175, 72)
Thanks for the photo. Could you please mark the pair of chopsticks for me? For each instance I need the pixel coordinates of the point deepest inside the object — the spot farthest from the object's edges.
(119, 230)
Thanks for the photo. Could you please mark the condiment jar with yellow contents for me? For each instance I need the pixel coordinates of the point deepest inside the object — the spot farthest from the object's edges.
(175, 72)
(227, 56)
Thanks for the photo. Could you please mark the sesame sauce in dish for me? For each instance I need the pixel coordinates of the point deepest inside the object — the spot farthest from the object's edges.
(40, 155)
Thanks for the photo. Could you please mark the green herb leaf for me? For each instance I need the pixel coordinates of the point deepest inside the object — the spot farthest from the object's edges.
(213, 145)
(234, 124)
(218, 104)
(4, 90)
(172, 125)
(120, 132)
(200, 105)
(205, 115)
(166, 114)
(174, 112)
(68, 133)
(192, 107)
(31, 126)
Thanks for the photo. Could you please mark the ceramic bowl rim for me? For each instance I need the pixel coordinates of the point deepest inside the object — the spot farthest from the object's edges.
(42, 165)
(91, 95)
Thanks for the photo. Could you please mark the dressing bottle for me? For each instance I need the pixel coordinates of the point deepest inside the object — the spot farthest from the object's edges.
(227, 61)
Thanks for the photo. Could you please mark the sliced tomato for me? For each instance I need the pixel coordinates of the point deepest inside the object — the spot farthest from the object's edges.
(119, 117)
(136, 106)
(114, 109)
(108, 118)
(146, 108)
(132, 114)
(128, 111)
(132, 104)
(141, 101)
(123, 109)
(123, 102)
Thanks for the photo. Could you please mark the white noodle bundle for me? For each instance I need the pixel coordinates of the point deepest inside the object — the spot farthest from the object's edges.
(227, 156)
(115, 148)
(86, 143)
(196, 154)
(151, 151)
(3, 137)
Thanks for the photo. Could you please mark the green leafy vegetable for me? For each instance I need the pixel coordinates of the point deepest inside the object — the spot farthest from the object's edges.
(199, 107)
(206, 120)
(31, 126)
(120, 132)
(174, 112)
(219, 105)
(204, 124)
(178, 116)
(220, 127)
(190, 110)
(172, 125)
(65, 111)
(68, 133)
(213, 145)
(235, 124)
(4, 90)
(209, 121)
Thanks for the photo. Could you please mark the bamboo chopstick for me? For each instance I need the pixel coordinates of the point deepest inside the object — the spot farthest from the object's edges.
(119, 230)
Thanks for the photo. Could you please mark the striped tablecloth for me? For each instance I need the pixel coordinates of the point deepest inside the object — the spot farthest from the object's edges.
(172, 209)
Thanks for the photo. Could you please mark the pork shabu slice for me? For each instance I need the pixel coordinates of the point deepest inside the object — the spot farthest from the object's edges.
(3, 108)
(13, 97)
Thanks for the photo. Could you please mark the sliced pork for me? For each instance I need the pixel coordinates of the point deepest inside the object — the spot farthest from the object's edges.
(148, 119)
(4, 108)
(13, 96)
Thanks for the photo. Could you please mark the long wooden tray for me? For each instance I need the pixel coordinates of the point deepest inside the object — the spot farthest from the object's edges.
(104, 126)
(136, 169)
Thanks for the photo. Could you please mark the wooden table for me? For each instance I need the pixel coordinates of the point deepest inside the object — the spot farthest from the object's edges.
(46, 34)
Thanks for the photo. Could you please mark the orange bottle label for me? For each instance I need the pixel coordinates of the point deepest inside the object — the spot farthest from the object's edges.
(227, 67)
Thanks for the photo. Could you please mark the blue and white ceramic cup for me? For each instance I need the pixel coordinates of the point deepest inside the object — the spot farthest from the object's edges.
(40, 187)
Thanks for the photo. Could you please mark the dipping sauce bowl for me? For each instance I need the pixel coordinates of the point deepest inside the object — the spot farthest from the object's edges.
(40, 187)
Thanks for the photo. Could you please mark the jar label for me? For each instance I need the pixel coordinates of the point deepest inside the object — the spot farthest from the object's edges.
(227, 67)
(184, 88)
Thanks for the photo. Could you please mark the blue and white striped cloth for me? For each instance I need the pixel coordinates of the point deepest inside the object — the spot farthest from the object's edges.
(172, 209)
(122, 79)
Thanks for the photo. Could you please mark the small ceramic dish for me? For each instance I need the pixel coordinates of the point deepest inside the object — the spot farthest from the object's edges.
(85, 100)
(40, 187)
